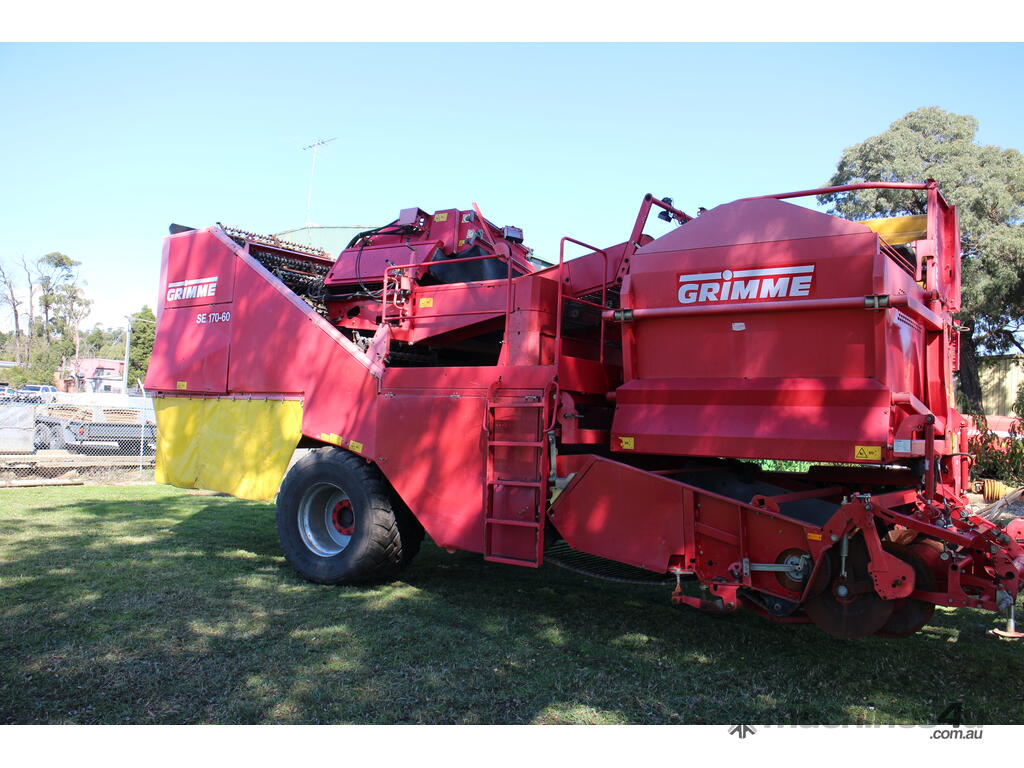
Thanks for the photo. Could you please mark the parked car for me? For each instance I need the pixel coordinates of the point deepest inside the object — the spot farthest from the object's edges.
(47, 392)
(13, 396)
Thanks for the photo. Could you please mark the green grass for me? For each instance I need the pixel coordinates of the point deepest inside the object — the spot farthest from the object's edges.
(147, 604)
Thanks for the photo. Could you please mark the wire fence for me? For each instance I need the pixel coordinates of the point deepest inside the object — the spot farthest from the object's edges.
(76, 439)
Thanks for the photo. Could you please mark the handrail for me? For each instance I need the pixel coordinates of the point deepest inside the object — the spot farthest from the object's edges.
(875, 303)
(935, 201)
(641, 219)
(848, 188)
(562, 297)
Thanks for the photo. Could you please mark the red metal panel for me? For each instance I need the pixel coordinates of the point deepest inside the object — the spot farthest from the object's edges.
(200, 271)
(465, 380)
(431, 448)
(446, 308)
(801, 419)
(619, 512)
(636, 517)
(279, 344)
(190, 352)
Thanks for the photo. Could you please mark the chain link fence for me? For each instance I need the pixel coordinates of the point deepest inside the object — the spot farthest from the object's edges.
(75, 439)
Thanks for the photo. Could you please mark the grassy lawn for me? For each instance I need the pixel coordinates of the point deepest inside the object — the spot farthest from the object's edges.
(146, 604)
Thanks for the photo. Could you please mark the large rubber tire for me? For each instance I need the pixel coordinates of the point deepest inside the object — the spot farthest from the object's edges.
(42, 438)
(57, 442)
(369, 536)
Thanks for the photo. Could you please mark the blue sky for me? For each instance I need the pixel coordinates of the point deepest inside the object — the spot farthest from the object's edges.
(104, 145)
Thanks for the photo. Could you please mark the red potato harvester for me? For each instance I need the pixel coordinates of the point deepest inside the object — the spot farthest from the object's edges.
(609, 405)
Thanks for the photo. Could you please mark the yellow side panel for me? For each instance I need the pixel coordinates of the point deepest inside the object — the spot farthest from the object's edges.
(241, 447)
(899, 229)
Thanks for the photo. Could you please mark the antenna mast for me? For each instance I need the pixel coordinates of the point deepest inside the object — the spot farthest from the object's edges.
(315, 146)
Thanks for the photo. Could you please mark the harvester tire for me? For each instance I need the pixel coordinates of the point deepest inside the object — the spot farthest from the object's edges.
(339, 521)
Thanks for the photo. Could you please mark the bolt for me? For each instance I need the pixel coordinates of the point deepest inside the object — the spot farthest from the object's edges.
(834, 538)
(944, 556)
(842, 591)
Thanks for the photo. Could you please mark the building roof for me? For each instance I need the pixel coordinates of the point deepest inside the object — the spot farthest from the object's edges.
(87, 367)
(332, 238)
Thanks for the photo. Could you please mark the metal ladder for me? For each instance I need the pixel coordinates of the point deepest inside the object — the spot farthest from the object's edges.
(500, 491)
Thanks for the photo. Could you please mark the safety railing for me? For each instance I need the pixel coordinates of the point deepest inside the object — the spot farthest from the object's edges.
(899, 259)
(650, 201)
(928, 185)
(562, 298)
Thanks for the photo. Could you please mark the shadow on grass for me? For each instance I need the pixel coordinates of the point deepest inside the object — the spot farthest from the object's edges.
(176, 608)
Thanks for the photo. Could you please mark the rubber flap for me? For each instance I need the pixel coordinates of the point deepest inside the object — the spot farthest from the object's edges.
(240, 447)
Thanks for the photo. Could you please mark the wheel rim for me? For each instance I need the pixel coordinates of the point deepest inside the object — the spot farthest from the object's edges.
(326, 520)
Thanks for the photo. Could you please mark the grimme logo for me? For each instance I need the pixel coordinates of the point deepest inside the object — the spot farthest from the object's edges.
(190, 289)
(732, 285)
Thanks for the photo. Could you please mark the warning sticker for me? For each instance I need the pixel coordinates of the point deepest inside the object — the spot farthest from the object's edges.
(356, 446)
(868, 452)
(440, 217)
(813, 536)
(182, 385)
(427, 301)
(330, 438)
(627, 443)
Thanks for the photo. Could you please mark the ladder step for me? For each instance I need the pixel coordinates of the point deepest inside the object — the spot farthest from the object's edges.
(514, 523)
(511, 561)
(501, 545)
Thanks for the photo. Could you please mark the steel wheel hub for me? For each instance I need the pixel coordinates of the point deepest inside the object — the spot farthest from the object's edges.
(326, 520)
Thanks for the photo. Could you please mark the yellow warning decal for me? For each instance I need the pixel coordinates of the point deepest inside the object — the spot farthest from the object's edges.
(462, 242)
(355, 445)
(182, 385)
(813, 536)
(440, 217)
(627, 443)
(868, 452)
(330, 437)
(426, 301)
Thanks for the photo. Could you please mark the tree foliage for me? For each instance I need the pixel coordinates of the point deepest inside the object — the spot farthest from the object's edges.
(55, 272)
(54, 302)
(986, 183)
(143, 332)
